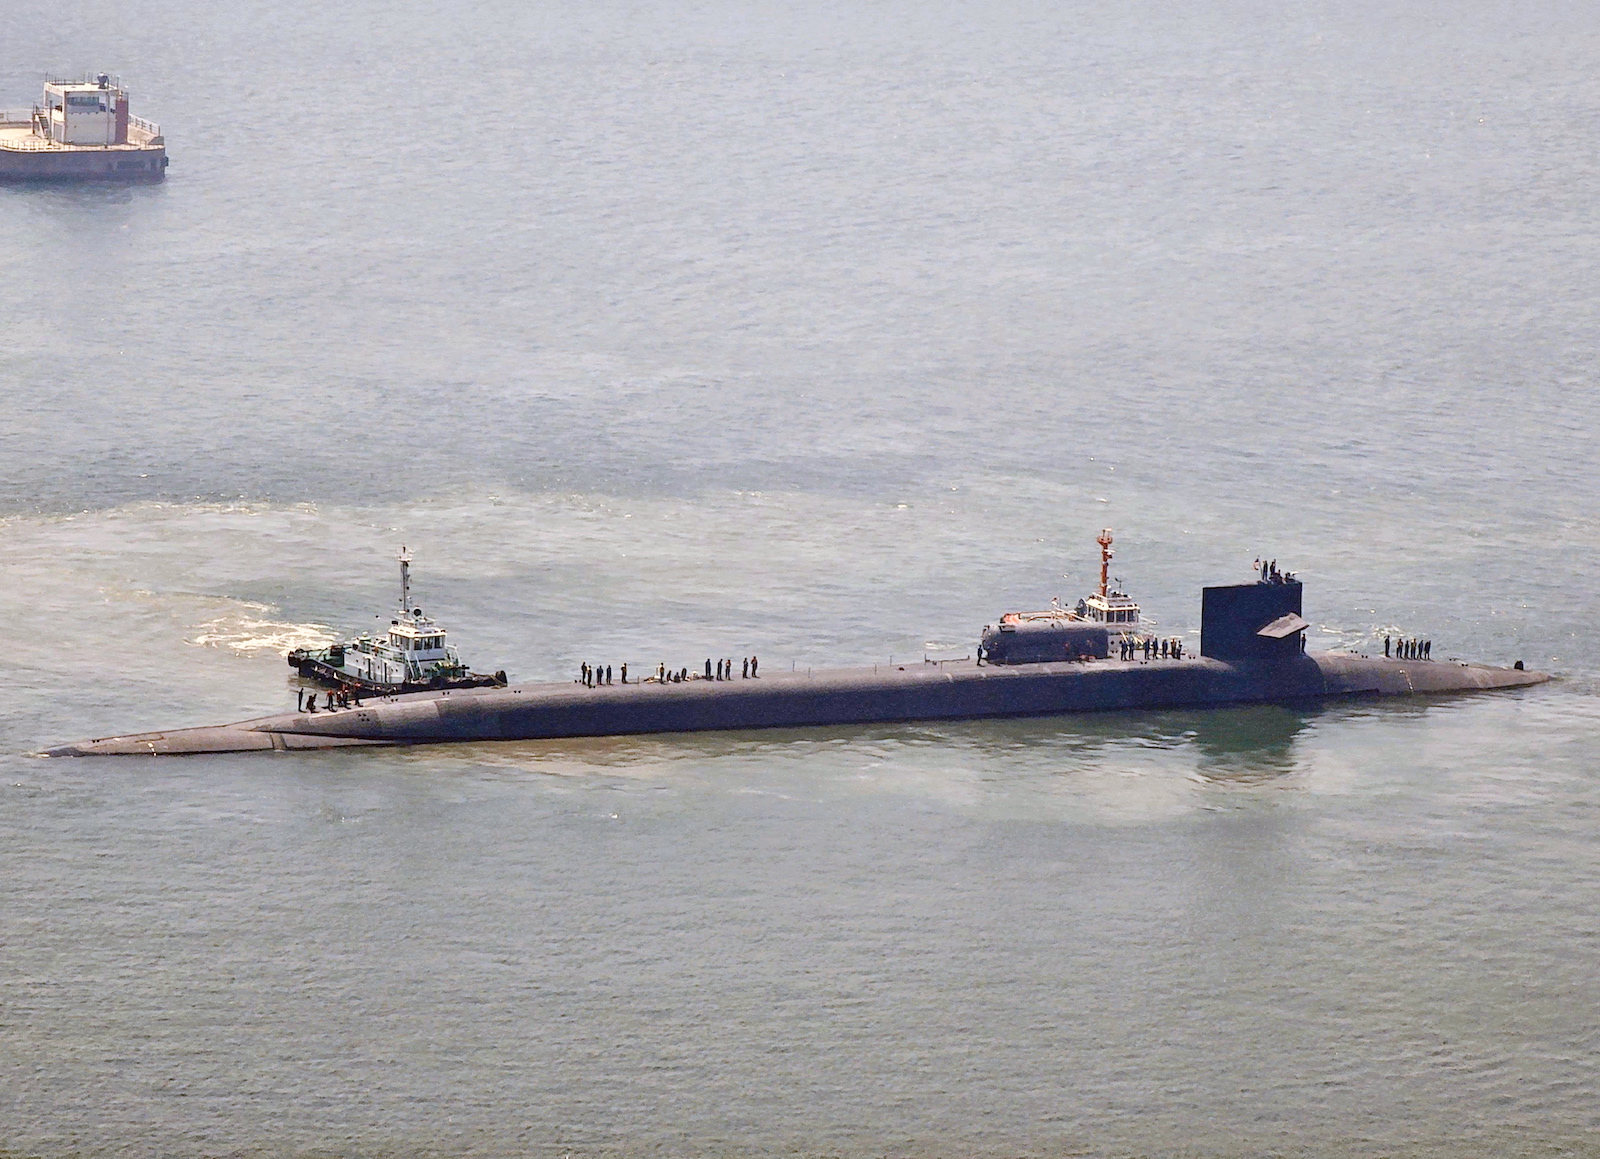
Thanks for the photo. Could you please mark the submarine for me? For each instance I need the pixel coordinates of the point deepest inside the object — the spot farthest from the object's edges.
(1252, 650)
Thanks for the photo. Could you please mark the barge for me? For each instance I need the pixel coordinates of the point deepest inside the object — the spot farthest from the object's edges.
(81, 131)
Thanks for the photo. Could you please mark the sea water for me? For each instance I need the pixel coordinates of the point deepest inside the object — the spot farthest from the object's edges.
(825, 333)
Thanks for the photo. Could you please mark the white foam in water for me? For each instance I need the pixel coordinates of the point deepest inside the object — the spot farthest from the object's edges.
(246, 631)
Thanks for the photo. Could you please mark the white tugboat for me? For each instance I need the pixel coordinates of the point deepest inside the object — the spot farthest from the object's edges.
(412, 656)
(81, 131)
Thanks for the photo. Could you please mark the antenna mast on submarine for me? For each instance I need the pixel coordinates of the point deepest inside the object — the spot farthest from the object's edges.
(1105, 558)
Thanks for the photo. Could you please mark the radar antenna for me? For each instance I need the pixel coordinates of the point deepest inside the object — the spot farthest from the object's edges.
(1105, 558)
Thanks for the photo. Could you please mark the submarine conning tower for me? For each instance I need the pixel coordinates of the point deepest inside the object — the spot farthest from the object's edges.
(1254, 621)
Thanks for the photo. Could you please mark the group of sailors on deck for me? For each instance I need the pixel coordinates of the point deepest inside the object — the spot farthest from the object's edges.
(1270, 573)
(341, 697)
(1153, 649)
(593, 675)
(1409, 649)
(589, 675)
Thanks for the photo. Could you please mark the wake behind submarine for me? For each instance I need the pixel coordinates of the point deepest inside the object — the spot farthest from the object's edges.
(1094, 657)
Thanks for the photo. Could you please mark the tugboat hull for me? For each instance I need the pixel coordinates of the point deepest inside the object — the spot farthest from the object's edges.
(313, 667)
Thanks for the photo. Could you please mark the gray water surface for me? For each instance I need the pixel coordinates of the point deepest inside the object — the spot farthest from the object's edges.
(825, 333)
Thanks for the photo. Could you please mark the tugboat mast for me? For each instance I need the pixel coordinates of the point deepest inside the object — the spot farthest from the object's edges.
(1105, 558)
(405, 581)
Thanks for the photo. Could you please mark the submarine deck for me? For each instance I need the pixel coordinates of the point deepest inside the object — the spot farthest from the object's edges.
(924, 691)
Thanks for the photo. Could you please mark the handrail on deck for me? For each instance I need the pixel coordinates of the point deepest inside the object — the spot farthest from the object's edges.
(30, 144)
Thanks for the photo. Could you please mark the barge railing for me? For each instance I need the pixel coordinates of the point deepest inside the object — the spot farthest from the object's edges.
(31, 144)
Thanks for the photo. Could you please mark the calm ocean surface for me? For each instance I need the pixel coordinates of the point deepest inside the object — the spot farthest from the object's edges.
(825, 332)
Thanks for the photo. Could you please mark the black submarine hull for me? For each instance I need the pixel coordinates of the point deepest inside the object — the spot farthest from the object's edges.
(921, 692)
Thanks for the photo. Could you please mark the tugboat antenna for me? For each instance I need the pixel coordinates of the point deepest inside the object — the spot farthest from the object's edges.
(405, 580)
(1105, 558)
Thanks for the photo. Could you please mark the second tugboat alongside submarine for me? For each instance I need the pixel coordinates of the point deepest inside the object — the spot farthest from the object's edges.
(1252, 649)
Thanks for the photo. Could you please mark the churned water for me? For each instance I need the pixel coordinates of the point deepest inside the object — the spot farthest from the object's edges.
(824, 332)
